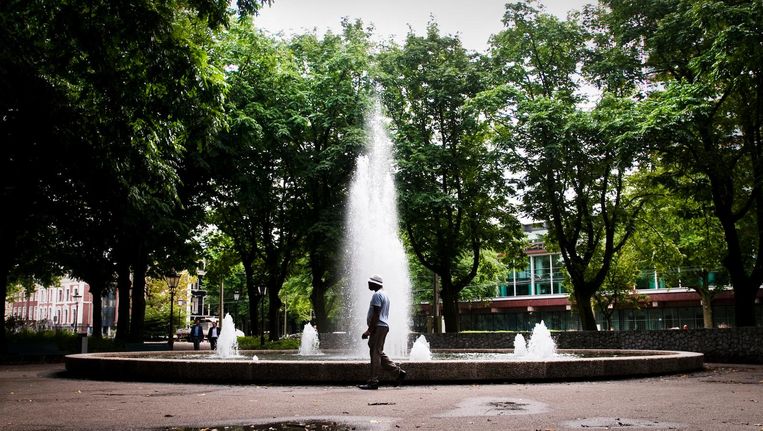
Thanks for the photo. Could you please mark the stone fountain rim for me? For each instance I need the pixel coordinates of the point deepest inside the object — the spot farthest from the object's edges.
(134, 366)
(163, 356)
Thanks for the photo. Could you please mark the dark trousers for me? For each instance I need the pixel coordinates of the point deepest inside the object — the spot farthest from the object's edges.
(196, 342)
(213, 343)
(379, 360)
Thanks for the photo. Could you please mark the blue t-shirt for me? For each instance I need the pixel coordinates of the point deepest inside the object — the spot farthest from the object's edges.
(381, 300)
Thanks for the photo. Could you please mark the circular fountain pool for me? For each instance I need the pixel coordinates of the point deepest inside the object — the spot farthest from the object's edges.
(496, 366)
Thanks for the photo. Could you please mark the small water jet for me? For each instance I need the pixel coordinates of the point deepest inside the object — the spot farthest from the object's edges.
(540, 346)
(420, 350)
(227, 342)
(309, 343)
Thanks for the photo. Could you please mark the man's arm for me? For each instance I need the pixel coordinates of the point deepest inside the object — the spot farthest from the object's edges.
(374, 321)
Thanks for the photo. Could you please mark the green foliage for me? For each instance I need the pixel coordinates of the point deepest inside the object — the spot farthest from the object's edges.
(704, 117)
(295, 293)
(126, 90)
(573, 161)
(253, 343)
(335, 100)
(618, 291)
(452, 193)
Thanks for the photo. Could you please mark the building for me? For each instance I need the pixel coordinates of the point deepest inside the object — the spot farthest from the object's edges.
(537, 293)
(68, 305)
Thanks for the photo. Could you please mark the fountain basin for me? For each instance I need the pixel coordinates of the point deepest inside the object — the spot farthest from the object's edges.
(167, 367)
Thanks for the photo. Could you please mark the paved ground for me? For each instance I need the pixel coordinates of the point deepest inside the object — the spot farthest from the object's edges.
(722, 397)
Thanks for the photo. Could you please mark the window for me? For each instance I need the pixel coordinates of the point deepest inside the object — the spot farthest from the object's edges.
(523, 281)
(542, 274)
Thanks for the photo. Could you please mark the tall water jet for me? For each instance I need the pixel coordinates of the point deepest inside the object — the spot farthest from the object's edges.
(372, 242)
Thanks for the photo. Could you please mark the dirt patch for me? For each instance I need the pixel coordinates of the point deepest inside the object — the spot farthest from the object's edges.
(620, 423)
(486, 406)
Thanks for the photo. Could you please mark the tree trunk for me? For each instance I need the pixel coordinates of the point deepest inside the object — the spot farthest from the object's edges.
(583, 303)
(450, 307)
(123, 290)
(707, 301)
(318, 299)
(744, 304)
(254, 300)
(321, 280)
(138, 310)
(745, 286)
(274, 306)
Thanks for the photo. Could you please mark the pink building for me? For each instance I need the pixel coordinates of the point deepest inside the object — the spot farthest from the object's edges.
(67, 305)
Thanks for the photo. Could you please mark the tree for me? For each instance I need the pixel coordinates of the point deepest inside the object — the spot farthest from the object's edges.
(452, 194)
(335, 99)
(573, 162)
(678, 235)
(618, 291)
(706, 113)
(258, 200)
(125, 90)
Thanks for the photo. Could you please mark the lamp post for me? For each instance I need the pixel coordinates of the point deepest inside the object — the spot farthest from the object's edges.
(172, 283)
(236, 296)
(262, 316)
(76, 297)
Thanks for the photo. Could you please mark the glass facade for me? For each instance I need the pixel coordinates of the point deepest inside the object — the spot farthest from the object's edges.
(566, 320)
(543, 275)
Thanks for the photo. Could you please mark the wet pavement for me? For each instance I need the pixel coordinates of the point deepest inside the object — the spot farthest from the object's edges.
(721, 397)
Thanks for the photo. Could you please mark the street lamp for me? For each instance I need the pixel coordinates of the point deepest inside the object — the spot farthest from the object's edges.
(236, 296)
(173, 279)
(263, 291)
(76, 297)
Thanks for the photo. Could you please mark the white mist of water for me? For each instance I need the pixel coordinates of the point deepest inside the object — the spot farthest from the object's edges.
(420, 350)
(227, 344)
(372, 243)
(309, 343)
(520, 345)
(540, 346)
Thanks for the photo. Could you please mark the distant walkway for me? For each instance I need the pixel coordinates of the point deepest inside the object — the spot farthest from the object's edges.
(722, 397)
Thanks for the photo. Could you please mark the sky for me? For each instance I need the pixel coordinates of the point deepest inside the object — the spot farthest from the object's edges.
(474, 21)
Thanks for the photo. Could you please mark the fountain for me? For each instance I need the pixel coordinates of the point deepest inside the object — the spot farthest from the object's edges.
(420, 350)
(540, 346)
(372, 246)
(309, 343)
(227, 343)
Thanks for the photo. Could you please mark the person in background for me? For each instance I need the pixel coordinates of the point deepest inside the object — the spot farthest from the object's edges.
(212, 335)
(197, 334)
(378, 328)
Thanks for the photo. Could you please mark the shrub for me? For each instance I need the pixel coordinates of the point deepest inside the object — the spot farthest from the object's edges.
(253, 343)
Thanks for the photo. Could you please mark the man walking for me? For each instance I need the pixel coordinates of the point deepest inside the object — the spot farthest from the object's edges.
(197, 334)
(212, 335)
(378, 328)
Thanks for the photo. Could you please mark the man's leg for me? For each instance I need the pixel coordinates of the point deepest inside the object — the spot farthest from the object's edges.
(379, 360)
(388, 365)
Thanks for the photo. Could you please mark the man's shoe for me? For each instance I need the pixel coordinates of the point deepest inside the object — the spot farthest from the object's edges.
(369, 386)
(400, 376)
